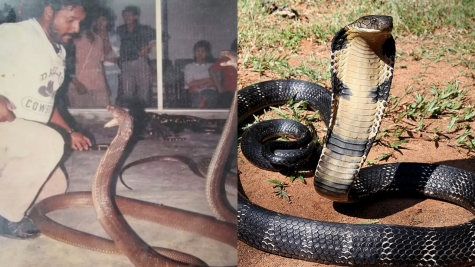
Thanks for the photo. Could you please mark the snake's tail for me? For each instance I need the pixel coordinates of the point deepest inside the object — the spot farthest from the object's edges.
(122, 181)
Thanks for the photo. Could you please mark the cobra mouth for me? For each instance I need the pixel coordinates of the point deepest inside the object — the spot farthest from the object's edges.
(362, 63)
(114, 122)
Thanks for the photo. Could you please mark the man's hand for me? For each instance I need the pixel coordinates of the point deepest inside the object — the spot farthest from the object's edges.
(232, 58)
(80, 141)
(144, 50)
(6, 109)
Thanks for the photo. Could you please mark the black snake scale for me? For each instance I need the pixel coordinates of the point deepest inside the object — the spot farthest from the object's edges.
(352, 244)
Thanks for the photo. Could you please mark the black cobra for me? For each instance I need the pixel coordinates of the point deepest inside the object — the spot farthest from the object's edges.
(339, 176)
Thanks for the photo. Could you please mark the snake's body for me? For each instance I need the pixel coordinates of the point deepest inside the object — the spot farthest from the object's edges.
(361, 77)
(169, 127)
(200, 168)
(124, 239)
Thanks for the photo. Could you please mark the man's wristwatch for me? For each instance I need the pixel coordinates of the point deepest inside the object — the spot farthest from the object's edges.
(71, 131)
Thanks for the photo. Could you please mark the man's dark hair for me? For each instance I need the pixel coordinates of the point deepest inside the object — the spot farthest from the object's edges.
(93, 15)
(132, 9)
(108, 14)
(35, 8)
(60, 4)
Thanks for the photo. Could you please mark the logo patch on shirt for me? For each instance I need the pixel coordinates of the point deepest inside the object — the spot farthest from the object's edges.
(37, 106)
(47, 91)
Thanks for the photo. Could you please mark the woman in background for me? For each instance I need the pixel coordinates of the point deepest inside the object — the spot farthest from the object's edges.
(111, 46)
(88, 88)
(197, 79)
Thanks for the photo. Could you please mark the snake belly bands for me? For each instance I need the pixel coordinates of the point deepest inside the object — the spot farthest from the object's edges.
(362, 60)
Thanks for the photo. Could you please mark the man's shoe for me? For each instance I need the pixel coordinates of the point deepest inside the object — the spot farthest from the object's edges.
(24, 229)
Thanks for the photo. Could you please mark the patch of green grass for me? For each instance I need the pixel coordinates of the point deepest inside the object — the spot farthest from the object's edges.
(316, 70)
(268, 60)
(467, 139)
(439, 101)
(259, 31)
(449, 102)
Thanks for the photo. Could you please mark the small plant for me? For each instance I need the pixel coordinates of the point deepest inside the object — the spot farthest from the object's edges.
(297, 175)
(279, 189)
(383, 156)
(467, 139)
(256, 120)
(370, 222)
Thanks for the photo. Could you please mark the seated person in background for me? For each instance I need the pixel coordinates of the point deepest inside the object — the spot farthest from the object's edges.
(197, 79)
(88, 89)
(228, 85)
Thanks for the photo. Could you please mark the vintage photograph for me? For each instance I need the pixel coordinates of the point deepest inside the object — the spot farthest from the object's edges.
(104, 159)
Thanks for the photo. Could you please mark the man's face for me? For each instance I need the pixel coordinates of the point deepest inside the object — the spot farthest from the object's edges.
(129, 17)
(65, 23)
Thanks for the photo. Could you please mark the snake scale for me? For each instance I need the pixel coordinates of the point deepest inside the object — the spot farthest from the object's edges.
(362, 59)
(124, 239)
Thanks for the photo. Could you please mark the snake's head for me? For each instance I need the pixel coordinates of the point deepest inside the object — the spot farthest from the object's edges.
(375, 30)
(120, 118)
(373, 23)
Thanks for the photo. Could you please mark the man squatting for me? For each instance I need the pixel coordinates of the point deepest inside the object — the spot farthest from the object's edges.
(32, 66)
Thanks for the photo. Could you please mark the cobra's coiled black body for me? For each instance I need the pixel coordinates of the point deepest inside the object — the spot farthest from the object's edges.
(362, 68)
(364, 245)
(374, 244)
(264, 94)
(261, 95)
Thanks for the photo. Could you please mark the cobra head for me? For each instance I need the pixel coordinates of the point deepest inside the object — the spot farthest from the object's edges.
(120, 118)
(375, 30)
(373, 23)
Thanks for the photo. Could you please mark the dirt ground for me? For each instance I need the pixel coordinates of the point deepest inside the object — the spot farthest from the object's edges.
(305, 202)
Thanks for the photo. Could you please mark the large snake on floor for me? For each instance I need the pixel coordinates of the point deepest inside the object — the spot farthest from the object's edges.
(362, 60)
(124, 239)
